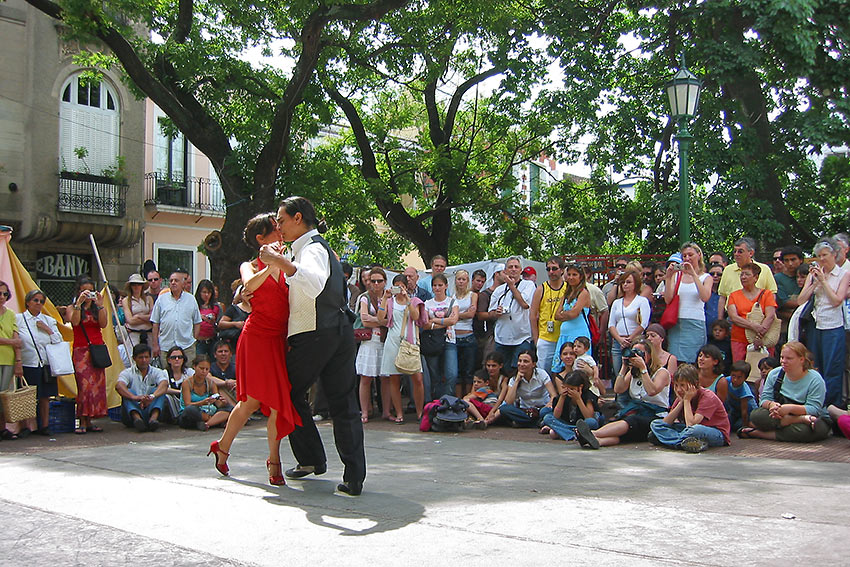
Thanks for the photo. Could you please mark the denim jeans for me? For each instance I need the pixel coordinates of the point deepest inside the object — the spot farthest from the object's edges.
(545, 354)
(616, 354)
(828, 350)
(564, 430)
(467, 347)
(130, 406)
(516, 415)
(443, 371)
(674, 434)
(511, 353)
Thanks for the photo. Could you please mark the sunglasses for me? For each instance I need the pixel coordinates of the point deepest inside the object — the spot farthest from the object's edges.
(621, 266)
(5, 294)
(36, 300)
(176, 357)
(552, 269)
(154, 279)
(377, 281)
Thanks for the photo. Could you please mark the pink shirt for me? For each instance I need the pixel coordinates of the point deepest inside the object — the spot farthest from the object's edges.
(708, 405)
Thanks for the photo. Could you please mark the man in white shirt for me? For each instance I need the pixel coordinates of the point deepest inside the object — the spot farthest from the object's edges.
(142, 388)
(176, 320)
(509, 307)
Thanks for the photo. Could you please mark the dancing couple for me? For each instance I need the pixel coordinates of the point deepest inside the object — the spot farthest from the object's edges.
(298, 332)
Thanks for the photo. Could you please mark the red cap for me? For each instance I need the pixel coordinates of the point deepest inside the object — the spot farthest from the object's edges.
(528, 270)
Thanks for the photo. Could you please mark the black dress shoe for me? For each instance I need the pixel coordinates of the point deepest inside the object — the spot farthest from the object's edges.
(302, 471)
(350, 488)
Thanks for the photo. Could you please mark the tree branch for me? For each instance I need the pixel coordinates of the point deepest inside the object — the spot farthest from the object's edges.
(184, 21)
(457, 98)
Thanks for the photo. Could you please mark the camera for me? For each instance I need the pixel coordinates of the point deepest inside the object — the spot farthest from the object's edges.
(677, 267)
(395, 290)
(215, 397)
(628, 353)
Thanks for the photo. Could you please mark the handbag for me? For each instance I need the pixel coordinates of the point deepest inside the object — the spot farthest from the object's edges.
(407, 360)
(756, 315)
(99, 353)
(19, 403)
(60, 351)
(595, 335)
(671, 312)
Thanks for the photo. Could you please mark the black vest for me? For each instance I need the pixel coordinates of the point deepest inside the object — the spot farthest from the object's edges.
(331, 304)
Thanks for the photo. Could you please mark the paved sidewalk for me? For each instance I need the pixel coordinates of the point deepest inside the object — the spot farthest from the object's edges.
(445, 499)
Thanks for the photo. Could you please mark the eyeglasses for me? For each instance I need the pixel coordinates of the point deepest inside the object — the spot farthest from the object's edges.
(377, 281)
(176, 357)
(552, 268)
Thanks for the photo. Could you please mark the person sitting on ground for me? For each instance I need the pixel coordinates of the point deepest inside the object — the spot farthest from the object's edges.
(697, 419)
(588, 365)
(766, 364)
(142, 388)
(481, 400)
(721, 334)
(841, 418)
(529, 391)
(223, 371)
(740, 401)
(710, 365)
(791, 407)
(648, 389)
(496, 381)
(203, 406)
(574, 401)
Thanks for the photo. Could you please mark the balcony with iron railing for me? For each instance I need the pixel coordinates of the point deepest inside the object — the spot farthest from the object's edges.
(91, 194)
(184, 194)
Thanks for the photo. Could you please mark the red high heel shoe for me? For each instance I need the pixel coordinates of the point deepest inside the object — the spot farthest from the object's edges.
(277, 479)
(220, 467)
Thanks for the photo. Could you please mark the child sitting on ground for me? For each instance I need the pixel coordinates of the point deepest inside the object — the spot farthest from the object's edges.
(481, 399)
(585, 362)
(575, 401)
(766, 364)
(740, 400)
(721, 337)
(498, 382)
(697, 419)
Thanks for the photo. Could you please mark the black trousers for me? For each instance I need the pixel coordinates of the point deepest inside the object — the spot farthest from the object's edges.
(327, 355)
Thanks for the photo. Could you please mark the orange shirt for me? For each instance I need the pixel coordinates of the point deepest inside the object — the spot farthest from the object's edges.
(744, 306)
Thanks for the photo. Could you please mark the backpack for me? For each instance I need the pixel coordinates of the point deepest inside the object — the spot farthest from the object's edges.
(449, 415)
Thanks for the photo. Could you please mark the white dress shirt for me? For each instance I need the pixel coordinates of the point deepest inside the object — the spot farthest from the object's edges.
(29, 356)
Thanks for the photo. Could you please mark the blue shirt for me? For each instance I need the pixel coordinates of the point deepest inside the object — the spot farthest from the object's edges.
(810, 391)
(176, 319)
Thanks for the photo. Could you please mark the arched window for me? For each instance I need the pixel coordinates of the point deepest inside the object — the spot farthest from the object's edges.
(89, 119)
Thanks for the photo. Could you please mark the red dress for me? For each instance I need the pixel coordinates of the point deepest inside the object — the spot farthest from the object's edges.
(91, 381)
(261, 354)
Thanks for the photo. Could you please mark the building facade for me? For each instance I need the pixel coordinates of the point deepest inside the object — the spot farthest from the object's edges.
(71, 156)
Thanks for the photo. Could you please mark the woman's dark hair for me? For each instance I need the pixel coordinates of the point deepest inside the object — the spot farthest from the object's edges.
(208, 285)
(573, 292)
(496, 357)
(439, 278)
(530, 353)
(92, 308)
(260, 225)
(4, 284)
(769, 361)
(199, 359)
(296, 204)
(577, 378)
(715, 353)
(564, 345)
(400, 279)
(168, 355)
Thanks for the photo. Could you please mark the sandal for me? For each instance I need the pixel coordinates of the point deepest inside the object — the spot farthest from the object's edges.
(746, 433)
(545, 430)
(397, 420)
(80, 431)
(94, 429)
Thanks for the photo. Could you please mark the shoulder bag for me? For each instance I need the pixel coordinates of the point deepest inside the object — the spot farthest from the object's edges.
(361, 333)
(99, 353)
(408, 360)
(433, 341)
(671, 313)
(756, 315)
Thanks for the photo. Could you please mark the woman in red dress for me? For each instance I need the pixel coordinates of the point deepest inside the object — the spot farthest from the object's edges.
(88, 317)
(261, 379)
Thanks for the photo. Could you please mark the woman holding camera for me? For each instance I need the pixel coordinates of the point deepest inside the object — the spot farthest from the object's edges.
(88, 317)
(648, 388)
(629, 316)
(829, 284)
(692, 284)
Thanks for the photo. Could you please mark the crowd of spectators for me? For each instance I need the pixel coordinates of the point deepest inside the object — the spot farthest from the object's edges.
(681, 353)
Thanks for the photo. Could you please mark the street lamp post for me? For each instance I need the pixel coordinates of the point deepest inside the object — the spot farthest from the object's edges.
(683, 90)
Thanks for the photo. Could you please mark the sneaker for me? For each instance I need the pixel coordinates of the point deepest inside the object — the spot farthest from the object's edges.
(585, 436)
(653, 439)
(694, 445)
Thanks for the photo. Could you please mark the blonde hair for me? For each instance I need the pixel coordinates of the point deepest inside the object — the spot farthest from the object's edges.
(695, 246)
(468, 291)
(800, 350)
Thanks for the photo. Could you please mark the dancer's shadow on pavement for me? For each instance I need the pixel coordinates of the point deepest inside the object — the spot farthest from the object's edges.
(371, 512)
